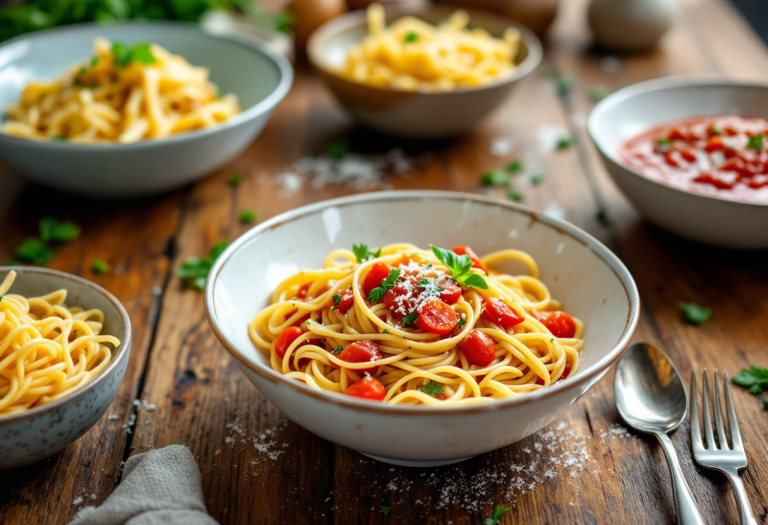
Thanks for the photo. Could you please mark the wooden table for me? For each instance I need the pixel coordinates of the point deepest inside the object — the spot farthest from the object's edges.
(259, 467)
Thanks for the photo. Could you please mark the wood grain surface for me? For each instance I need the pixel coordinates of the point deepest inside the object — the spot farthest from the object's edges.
(258, 467)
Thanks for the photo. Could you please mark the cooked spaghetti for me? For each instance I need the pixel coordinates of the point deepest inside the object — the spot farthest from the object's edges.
(123, 94)
(409, 326)
(416, 56)
(48, 350)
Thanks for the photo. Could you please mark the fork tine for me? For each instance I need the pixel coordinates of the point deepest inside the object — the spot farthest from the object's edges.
(707, 417)
(733, 424)
(721, 439)
(694, 410)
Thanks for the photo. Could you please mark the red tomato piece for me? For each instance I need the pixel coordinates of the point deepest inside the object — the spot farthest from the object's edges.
(714, 144)
(367, 388)
(676, 134)
(361, 352)
(479, 348)
(396, 302)
(706, 178)
(559, 323)
(373, 278)
(498, 312)
(466, 250)
(303, 289)
(688, 156)
(670, 159)
(286, 339)
(731, 132)
(346, 301)
(436, 317)
(451, 292)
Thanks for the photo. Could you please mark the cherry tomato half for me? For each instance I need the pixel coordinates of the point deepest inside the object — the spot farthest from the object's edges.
(466, 250)
(479, 348)
(373, 278)
(499, 313)
(286, 339)
(437, 317)
(399, 299)
(559, 323)
(451, 292)
(346, 301)
(361, 352)
(367, 388)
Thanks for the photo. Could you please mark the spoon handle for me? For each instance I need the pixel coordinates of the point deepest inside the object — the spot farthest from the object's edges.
(687, 510)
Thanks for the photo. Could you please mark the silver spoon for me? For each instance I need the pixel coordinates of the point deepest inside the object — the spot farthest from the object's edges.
(651, 398)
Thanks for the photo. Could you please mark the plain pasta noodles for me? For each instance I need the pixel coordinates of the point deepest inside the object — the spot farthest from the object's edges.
(48, 350)
(123, 94)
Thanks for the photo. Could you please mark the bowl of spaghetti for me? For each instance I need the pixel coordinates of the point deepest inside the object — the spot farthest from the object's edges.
(132, 109)
(372, 333)
(64, 348)
(422, 72)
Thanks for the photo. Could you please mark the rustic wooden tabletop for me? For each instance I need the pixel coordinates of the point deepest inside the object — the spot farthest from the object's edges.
(258, 467)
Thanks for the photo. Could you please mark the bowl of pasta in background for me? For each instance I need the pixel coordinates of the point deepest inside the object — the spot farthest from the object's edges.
(414, 113)
(258, 77)
(592, 283)
(30, 435)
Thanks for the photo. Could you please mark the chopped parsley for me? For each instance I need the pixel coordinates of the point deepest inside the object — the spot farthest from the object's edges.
(598, 93)
(494, 178)
(552, 340)
(248, 216)
(694, 313)
(337, 149)
(564, 142)
(461, 323)
(194, 271)
(424, 284)
(716, 130)
(386, 331)
(235, 180)
(754, 378)
(52, 229)
(99, 266)
(412, 36)
(123, 54)
(602, 217)
(409, 319)
(34, 251)
(514, 195)
(538, 178)
(755, 141)
(563, 85)
(663, 144)
(60, 138)
(460, 267)
(385, 510)
(498, 512)
(515, 166)
(386, 284)
(362, 253)
(336, 300)
(338, 350)
(432, 388)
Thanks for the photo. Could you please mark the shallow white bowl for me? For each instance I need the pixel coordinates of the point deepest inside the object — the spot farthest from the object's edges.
(259, 77)
(592, 282)
(632, 110)
(42, 431)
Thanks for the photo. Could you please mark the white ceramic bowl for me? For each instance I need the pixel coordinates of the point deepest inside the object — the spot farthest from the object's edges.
(634, 109)
(259, 77)
(411, 113)
(42, 431)
(592, 282)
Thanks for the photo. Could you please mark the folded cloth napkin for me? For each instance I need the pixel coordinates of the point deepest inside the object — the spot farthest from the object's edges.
(159, 487)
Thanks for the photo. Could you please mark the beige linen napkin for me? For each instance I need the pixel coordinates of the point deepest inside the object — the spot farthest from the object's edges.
(159, 487)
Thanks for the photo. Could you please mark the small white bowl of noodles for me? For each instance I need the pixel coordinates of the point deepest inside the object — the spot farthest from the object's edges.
(154, 106)
(442, 401)
(53, 388)
(433, 71)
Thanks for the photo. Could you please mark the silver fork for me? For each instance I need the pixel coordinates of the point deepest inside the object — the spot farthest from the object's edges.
(719, 456)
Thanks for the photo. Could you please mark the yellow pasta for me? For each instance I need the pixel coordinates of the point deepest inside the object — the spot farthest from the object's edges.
(123, 94)
(47, 349)
(413, 55)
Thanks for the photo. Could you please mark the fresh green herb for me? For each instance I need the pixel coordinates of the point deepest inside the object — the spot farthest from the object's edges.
(386, 284)
(514, 195)
(247, 216)
(194, 271)
(461, 323)
(1, 298)
(385, 510)
(459, 266)
(563, 85)
(550, 73)
(99, 266)
(337, 149)
(537, 178)
(60, 138)
(602, 217)
(498, 512)
(495, 178)
(552, 340)
(362, 253)
(515, 166)
(564, 142)
(338, 350)
(95, 62)
(123, 54)
(336, 300)
(11, 262)
(754, 378)
(34, 251)
(694, 313)
(716, 130)
(663, 144)
(52, 229)
(412, 36)
(765, 405)
(755, 141)
(410, 318)
(386, 331)
(235, 180)
(424, 283)
(598, 93)
(432, 388)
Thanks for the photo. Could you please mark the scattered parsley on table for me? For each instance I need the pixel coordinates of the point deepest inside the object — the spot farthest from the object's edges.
(235, 180)
(514, 195)
(515, 166)
(194, 271)
(754, 378)
(34, 251)
(338, 149)
(538, 178)
(248, 216)
(695, 314)
(598, 93)
(564, 143)
(494, 178)
(385, 510)
(498, 512)
(53, 230)
(99, 266)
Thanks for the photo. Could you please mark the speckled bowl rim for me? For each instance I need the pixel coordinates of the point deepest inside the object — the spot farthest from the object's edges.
(117, 355)
(657, 85)
(358, 18)
(585, 375)
(257, 110)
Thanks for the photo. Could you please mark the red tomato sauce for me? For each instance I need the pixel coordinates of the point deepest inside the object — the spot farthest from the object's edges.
(724, 157)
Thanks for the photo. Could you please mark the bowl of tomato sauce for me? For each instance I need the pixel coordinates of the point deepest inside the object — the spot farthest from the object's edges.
(691, 156)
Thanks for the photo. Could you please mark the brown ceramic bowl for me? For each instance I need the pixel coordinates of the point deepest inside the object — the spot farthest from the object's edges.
(415, 114)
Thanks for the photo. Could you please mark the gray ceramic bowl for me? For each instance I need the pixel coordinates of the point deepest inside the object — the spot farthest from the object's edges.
(411, 113)
(42, 431)
(259, 77)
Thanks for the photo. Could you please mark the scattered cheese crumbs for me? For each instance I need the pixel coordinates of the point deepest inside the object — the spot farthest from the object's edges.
(77, 501)
(501, 147)
(113, 416)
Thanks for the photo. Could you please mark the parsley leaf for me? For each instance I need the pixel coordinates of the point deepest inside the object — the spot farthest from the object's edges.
(563, 85)
(409, 319)
(337, 149)
(336, 299)
(460, 265)
(194, 271)
(515, 166)
(53, 230)
(123, 55)
(432, 388)
(247, 216)
(754, 378)
(424, 283)
(498, 512)
(694, 313)
(386, 284)
(461, 323)
(663, 144)
(564, 142)
(598, 93)
(602, 217)
(412, 36)
(385, 510)
(756, 141)
(515, 195)
(538, 178)
(235, 180)
(494, 178)
(338, 350)
(362, 253)
(34, 251)
(99, 266)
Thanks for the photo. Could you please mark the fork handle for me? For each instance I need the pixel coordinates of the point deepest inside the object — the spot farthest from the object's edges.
(687, 510)
(745, 509)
